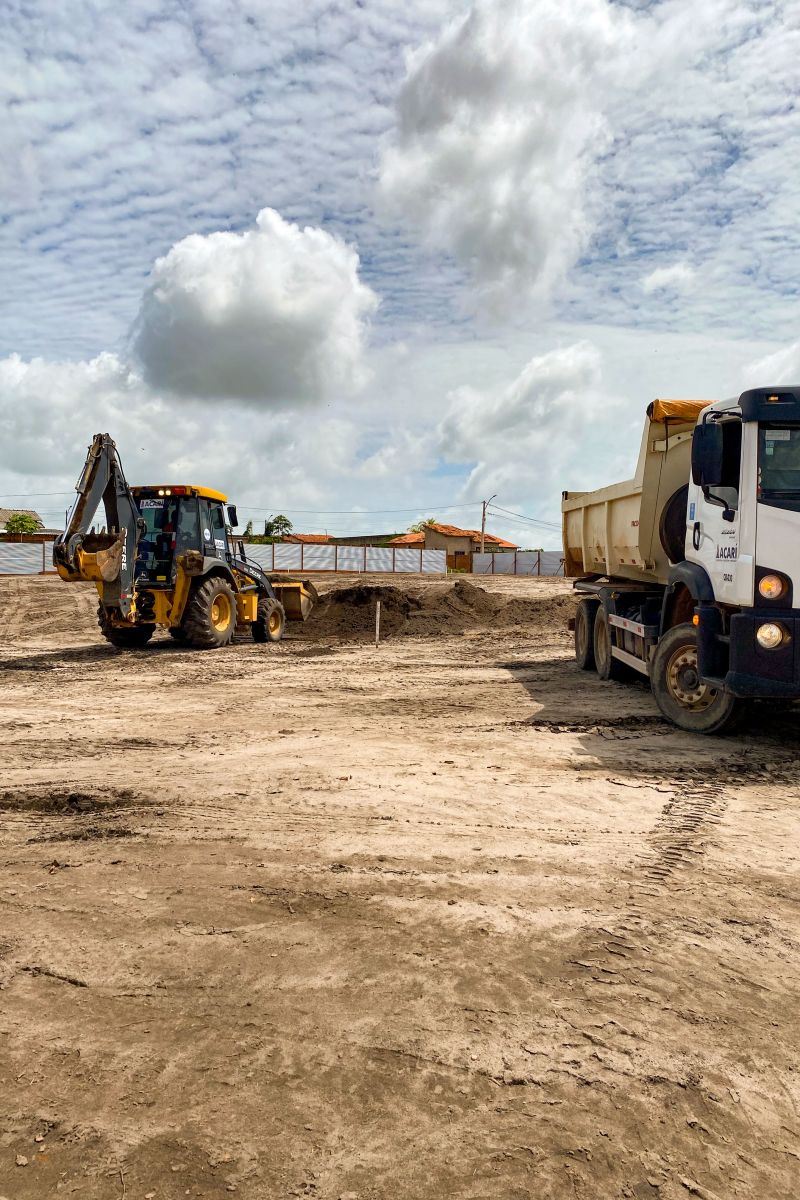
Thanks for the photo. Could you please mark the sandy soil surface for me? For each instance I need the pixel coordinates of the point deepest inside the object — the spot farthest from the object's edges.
(442, 919)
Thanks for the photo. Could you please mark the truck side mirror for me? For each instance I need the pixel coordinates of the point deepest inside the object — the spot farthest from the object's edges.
(707, 453)
(232, 516)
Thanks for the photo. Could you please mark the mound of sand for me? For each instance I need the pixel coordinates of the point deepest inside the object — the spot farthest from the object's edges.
(450, 608)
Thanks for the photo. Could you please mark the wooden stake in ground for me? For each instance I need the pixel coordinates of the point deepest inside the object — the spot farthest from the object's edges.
(377, 621)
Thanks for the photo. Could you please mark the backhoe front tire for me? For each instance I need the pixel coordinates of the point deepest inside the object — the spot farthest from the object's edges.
(270, 622)
(210, 618)
(679, 693)
(132, 637)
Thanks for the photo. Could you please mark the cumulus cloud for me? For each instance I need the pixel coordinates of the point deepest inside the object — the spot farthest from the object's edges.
(529, 437)
(274, 316)
(500, 123)
(551, 148)
(676, 278)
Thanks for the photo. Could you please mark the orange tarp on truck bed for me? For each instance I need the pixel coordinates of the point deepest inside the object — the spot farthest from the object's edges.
(686, 411)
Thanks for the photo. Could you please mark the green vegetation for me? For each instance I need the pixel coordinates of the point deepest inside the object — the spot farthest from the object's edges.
(22, 523)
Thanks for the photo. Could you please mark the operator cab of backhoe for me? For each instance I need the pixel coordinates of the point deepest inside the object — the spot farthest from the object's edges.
(177, 519)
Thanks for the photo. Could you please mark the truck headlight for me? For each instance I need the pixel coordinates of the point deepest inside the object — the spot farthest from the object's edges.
(769, 636)
(772, 587)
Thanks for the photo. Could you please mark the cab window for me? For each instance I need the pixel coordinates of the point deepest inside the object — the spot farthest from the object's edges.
(218, 526)
(188, 532)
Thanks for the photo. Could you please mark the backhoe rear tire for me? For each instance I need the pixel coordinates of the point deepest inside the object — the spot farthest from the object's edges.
(210, 618)
(177, 633)
(270, 622)
(132, 637)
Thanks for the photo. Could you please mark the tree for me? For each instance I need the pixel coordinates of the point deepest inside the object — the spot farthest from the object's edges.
(421, 526)
(22, 523)
(248, 529)
(277, 526)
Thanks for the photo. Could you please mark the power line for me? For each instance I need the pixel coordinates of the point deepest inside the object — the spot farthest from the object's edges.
(317, 512)
(357, 512)
(28, 495)
(522, 517)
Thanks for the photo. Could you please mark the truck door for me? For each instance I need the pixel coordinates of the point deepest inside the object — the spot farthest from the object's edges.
(716, 535)
(212, 529)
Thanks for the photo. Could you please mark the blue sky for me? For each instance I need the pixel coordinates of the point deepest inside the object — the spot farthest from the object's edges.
(496, 232)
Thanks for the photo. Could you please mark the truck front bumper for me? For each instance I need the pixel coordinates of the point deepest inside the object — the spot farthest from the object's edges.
(762, 673)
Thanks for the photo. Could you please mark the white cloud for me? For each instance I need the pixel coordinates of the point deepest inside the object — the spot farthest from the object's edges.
(499, 126)
(553, 148)
(677, 278)
(522, 439)
(273, 316)
(781, 367)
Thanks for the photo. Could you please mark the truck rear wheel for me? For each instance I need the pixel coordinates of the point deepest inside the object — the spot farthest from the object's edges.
(679, 692)
(606, 665)
(131, 637)
(270, 622)
(584, 634)
(210, 617)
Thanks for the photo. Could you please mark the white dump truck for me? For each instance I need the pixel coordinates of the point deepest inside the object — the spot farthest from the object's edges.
(689, 573)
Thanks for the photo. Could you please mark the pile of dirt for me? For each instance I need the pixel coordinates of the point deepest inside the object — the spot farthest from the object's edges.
(447, 609)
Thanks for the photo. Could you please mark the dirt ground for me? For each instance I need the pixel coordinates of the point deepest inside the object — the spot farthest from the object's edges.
(443, 919)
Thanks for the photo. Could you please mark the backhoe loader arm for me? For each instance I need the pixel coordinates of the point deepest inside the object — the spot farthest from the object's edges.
(108, 559)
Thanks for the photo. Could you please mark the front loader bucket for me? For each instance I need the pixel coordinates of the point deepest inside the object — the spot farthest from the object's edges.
(298, 597)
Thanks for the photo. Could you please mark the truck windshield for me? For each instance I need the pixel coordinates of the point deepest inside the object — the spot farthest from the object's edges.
(779, 465)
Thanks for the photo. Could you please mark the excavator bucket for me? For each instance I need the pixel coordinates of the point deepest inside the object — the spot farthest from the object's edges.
(100, 556)
(297, 596)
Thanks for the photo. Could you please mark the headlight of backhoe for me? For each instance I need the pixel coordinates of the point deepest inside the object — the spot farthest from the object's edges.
(772, 587)
(771, 635)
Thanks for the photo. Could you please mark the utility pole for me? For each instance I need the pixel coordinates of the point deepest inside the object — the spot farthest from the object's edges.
(486, 504)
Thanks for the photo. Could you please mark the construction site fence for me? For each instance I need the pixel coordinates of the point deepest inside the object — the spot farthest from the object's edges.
(291, 556)
(26, 558)
(521, 562)
(36, 558)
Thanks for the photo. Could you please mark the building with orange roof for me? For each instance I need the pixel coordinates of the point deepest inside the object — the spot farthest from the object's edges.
(459, 544)
(308, 539)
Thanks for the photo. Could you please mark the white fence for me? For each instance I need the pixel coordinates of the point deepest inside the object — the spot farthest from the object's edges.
(294, 556)
(521, 562)
(26, 558)
(32, 558)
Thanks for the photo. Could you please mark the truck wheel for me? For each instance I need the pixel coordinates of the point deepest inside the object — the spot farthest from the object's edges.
(177, 633)
(270, 622)
(210, 617)
(607, 666)
(678, 691)
(584, 634)
(131, 638)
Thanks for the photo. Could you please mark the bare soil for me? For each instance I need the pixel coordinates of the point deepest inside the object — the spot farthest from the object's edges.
(447, 918)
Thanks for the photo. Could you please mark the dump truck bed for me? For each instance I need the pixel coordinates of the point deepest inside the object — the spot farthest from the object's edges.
(618, 531)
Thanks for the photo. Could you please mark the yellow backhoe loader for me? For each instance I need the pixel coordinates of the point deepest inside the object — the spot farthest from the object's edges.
(167, 559)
